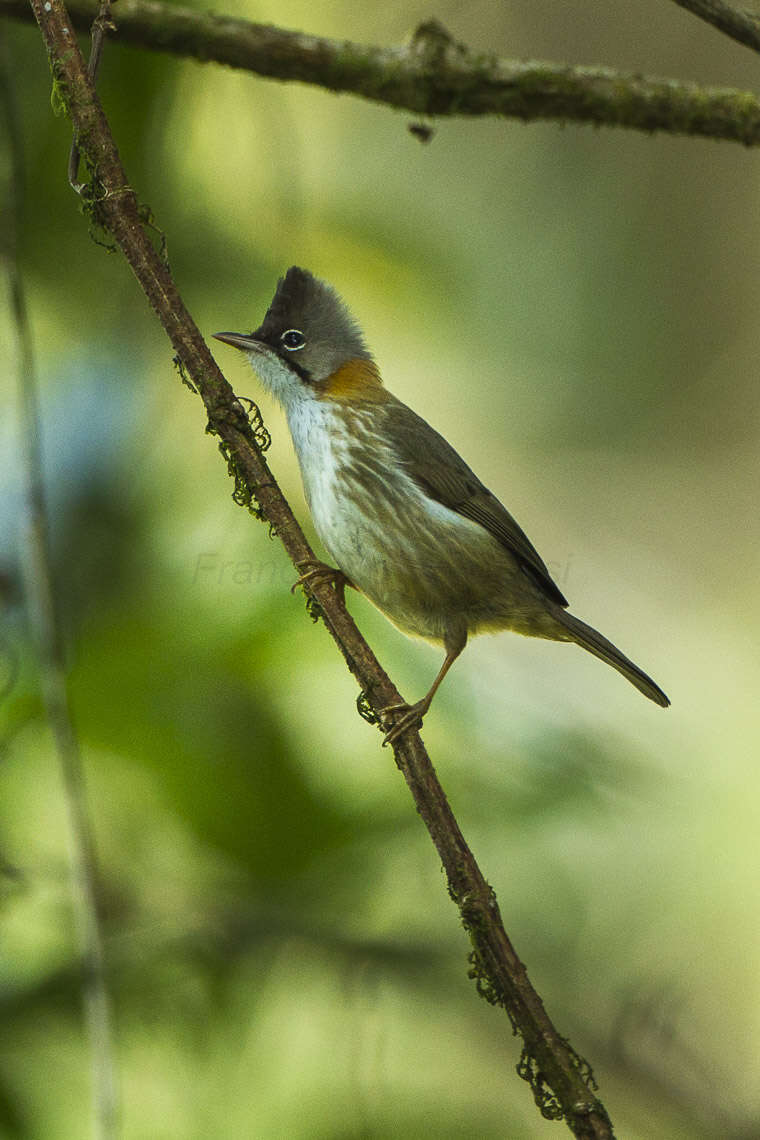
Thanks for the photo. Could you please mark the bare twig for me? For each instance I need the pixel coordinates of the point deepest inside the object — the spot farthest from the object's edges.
(738, 23)
(561, 1081)
(82, 860)
(101, 24)
(434, 75)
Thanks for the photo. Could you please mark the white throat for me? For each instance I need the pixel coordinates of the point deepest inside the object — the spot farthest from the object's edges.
(282, 382)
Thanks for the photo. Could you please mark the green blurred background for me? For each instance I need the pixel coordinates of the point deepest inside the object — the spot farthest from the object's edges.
(576, 310)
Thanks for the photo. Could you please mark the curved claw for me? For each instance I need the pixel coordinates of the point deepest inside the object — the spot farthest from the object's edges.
(317, 571)
(413, 714)
(412, 718)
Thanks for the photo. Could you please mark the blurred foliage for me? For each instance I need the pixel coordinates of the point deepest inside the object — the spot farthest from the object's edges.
(576, 310)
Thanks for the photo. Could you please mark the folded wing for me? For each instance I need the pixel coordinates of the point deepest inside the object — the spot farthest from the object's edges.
(437, 469)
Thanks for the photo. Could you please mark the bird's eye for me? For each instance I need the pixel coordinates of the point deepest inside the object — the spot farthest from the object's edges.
(292, 339)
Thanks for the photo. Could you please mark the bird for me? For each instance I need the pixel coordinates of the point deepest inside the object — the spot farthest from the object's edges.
(405, 519)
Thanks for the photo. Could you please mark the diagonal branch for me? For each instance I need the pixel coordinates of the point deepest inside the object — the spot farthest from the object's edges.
(738, 23)
(561, 1081)
(434, 75)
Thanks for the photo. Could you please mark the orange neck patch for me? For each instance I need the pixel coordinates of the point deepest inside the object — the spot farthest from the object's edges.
(355, 380)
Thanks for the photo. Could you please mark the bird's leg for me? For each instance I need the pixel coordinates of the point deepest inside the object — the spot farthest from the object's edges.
(312, 570)
(413, 714)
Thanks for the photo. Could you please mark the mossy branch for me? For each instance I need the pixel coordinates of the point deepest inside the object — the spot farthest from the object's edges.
(561, 1081)
(433, 75)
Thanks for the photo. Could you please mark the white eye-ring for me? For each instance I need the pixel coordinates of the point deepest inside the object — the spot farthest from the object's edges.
(292, 339)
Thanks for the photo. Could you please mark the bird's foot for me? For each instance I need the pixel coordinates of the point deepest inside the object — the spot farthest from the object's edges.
(314, 571)
(412, 718)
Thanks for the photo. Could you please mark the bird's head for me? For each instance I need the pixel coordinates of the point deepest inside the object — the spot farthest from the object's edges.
(309, 346)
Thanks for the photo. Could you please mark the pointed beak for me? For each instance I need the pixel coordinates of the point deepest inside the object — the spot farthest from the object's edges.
(239, 340)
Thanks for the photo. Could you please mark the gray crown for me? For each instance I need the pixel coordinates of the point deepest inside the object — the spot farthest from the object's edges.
(304, 302)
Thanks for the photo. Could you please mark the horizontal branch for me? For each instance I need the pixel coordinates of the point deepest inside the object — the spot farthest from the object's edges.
(432, 74)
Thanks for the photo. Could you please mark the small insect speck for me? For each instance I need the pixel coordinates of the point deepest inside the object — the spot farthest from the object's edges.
(421, 131)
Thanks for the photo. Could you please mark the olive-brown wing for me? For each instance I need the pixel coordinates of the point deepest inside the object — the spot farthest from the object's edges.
(439, 470)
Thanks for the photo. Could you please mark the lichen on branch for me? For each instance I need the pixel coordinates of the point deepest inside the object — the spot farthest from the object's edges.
(432, 74)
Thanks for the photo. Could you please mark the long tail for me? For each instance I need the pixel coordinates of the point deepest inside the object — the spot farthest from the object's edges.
(593, 641)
